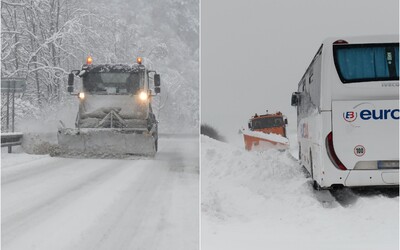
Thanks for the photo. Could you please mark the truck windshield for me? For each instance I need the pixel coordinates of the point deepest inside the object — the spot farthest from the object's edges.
(268, 122)
(367, 62)
(111, 83)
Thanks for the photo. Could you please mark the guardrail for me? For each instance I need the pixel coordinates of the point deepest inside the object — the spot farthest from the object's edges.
(11, 139)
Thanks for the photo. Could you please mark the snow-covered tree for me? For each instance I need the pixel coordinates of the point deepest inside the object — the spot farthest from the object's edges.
(43, 40)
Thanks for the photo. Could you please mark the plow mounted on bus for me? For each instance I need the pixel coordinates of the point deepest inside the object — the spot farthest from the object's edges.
(115, 115)
(266, 132)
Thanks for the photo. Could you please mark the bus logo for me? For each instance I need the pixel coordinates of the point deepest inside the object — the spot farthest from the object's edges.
(350, 116)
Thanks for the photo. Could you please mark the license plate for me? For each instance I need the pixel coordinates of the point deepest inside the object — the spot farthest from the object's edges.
(388, 164)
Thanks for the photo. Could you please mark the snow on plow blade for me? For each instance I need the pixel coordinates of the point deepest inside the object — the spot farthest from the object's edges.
(259, 141)
(105, 142)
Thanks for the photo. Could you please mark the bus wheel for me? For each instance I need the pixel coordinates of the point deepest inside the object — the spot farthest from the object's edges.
(316, 186)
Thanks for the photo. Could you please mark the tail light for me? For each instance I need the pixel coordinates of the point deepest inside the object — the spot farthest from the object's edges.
(331, 153)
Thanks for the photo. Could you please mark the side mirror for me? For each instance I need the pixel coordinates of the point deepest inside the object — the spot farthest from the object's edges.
(286, 122)
(295, 99)
(249, 124)
(157, 80)
(70, 88)
(157, 90)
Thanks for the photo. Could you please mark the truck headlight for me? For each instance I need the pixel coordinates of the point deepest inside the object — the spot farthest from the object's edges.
(143, 96)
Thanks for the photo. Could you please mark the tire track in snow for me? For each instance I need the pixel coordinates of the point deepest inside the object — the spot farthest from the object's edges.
(145, 219)
(6, 165)
(29, 216)
(128, 219)
(27, 170)
(106, 204)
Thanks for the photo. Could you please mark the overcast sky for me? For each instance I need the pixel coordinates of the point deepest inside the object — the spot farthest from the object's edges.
(253, 53)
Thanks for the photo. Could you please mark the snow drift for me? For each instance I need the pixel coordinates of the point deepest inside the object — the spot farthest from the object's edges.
(254, 200)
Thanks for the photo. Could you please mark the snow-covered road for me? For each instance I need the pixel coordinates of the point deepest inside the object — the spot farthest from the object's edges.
(62, 203)
(254, 200)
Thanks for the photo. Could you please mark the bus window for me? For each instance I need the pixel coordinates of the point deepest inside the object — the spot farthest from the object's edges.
(370, 62)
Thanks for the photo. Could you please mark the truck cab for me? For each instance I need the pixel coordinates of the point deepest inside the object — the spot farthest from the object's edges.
(269, 123)
(265, 132)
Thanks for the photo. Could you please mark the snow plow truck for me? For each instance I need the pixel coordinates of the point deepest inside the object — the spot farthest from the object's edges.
(266, 132)
(115, 115)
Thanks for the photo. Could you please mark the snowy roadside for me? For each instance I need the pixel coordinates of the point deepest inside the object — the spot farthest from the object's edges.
(16, 157)
(254, 200)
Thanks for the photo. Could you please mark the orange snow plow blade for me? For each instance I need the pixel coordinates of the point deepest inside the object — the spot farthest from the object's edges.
(255, 143)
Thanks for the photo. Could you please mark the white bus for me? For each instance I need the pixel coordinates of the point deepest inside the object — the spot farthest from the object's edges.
(348, 113)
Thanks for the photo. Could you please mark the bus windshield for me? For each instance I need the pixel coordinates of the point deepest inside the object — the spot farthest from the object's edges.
(269, 122)
(367, 62)
(111, 83)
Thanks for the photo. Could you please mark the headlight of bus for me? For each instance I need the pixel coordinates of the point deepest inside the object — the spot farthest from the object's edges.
(143, 96)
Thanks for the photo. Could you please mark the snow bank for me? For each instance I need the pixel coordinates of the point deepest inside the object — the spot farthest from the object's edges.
(17, 157)
(254, 200)
(228, 170)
